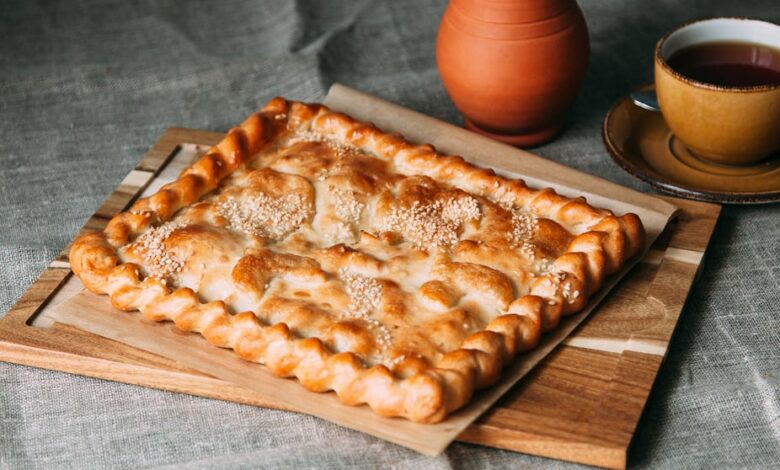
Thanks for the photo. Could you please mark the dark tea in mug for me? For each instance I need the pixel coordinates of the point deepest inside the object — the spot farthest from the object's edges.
(729, 63)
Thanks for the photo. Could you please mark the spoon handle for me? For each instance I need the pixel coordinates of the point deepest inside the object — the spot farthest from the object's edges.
(645, 100)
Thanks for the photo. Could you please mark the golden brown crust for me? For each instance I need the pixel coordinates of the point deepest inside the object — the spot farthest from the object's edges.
(355, 261)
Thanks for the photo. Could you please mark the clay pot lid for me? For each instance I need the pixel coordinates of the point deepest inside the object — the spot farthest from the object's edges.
(642, 144)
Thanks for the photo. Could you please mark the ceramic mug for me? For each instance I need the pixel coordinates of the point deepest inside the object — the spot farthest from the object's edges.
(728, 125)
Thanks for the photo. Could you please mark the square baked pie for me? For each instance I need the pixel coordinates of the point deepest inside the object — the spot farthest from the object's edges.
(355, 261)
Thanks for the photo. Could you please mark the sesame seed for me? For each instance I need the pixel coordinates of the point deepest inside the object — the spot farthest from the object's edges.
(160, 262)
(365, 295)
(348, 208)
(434, 224)
(524, 225)
(263, 215)
(566, 290)
(397, 360)
(342, 232)
(569, 294)
(544, 266)
(339, 149)
(504, 198)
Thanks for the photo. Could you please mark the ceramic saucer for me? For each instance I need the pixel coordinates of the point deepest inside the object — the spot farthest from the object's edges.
(642, 144)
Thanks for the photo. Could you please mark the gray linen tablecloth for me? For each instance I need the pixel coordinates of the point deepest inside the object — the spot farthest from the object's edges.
(87, 87)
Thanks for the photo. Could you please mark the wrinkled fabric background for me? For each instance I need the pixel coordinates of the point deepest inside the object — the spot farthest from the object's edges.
(87, 87)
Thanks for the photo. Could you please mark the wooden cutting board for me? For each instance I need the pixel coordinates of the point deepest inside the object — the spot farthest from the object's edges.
(582, 403)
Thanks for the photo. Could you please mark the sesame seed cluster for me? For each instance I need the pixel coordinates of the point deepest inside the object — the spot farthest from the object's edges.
(348, 207)
(432, 225)
(307, 136)
(524, 224)
(365, 295)
(558, 279)
(263, 215)
(159, 261)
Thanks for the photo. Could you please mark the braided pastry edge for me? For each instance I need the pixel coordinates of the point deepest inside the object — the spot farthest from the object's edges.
(426, 396)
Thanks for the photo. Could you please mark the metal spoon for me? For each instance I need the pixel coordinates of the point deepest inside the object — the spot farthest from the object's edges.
(645, 100)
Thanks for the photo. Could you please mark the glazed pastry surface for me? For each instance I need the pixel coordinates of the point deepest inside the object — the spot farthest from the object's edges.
(355, 261)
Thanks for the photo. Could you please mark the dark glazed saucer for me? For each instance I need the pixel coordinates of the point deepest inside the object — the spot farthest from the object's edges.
(642, 144)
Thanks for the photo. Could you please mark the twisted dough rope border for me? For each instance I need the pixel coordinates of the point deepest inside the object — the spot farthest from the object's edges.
(425, 396)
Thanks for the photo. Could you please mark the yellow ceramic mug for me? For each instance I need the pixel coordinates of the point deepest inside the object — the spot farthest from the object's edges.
(730, 125)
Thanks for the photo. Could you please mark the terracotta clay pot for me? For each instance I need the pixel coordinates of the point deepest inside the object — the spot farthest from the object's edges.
(513, 67)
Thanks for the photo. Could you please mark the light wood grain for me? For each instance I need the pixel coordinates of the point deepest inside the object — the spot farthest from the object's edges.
(558, 411)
